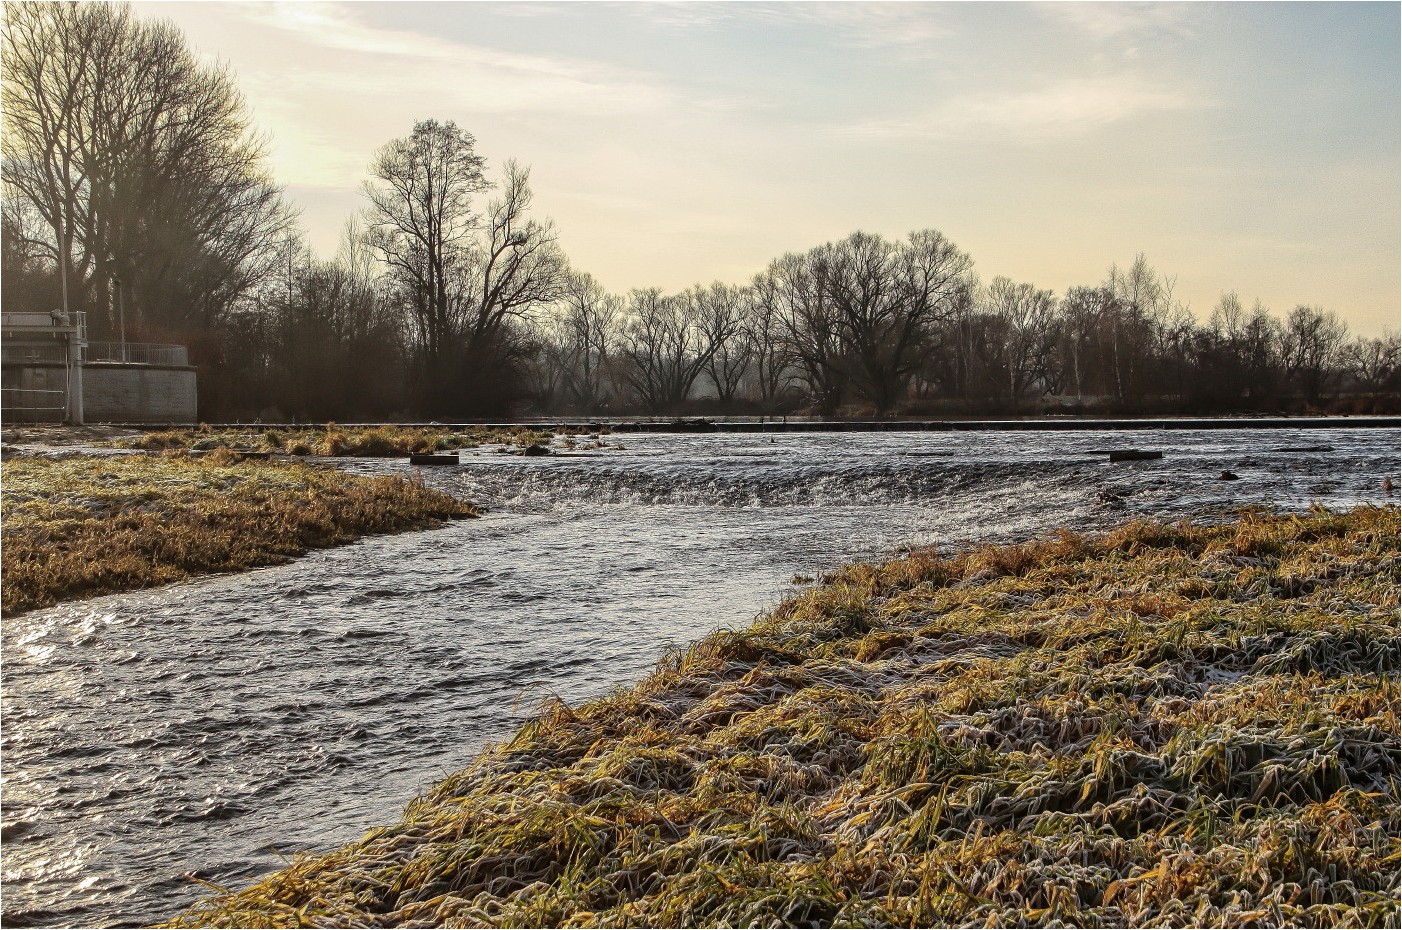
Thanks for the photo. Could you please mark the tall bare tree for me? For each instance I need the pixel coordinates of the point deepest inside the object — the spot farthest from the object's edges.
(26, 261)
(1374, 363)
(888, 297)
(719, 311)
(1027, 317)
(1312, 348)
(581, 336)
(1127, 319)
(810, 323)
(763, 330)
(662, 350)
(1084, 344)
(515, 265)
(421, 222)
(1238, 355)
(140, 163)
(334, 350)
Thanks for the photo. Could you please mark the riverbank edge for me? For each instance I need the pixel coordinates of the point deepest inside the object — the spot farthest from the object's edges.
(331, 440)
(1162, 725)
(378, 441)
(84, 526)
(812, 425)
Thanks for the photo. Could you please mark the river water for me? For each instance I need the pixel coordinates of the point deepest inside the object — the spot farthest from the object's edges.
(211, 728)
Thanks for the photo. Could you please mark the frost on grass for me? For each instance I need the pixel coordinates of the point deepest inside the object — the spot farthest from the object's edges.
(1170, 725)
(88, 525)
(370, 441)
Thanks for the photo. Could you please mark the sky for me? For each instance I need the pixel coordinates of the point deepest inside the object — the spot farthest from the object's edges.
(1248, 147)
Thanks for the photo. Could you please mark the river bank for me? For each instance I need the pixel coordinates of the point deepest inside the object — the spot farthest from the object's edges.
(810, 424)
(376, 441)
(86, 525)
(1164, 725)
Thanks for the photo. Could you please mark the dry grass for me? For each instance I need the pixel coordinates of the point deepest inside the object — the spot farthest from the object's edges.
(371, 441)
(1166, 726)
(91, 525)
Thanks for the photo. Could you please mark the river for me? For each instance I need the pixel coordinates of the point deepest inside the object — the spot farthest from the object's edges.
(214, 727)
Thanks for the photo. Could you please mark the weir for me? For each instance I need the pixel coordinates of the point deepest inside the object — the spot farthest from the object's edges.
(797, 425)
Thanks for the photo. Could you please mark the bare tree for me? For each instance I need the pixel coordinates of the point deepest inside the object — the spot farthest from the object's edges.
(26, 263)
(888, 297)
(469, 281)
(1128, 328)
(516, 265)
(811, 327)
(1373, 363)
(662, 350)
(421, 222)
(1026, 315)
(582, 334)
(1312, 347)
(719, 312)
(859, 281)
(545, 370)
(948, 360)
(139, 161)
(763, 330)
(1238, 355)
(1141, 287)
(334, 349)
(1086, 341)
(54, 57)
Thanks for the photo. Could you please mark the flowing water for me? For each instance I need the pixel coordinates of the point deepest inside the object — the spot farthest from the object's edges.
(211, 728)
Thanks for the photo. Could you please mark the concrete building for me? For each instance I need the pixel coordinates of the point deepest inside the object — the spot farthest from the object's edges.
(50, 372)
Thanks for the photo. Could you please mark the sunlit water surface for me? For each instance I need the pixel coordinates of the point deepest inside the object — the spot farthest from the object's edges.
(212, 727)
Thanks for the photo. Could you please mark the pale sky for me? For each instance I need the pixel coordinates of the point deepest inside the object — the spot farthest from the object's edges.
(1242, 146)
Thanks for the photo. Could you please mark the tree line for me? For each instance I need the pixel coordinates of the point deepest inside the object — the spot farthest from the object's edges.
(135, 190)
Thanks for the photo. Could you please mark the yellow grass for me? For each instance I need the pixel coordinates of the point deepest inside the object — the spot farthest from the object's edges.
(1165, 726)
(91, 525)
(333, 440)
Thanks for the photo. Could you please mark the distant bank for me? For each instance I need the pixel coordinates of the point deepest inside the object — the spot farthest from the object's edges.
(805, 425)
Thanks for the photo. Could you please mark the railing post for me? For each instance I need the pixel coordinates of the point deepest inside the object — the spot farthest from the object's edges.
(122, 310)
(76, 340)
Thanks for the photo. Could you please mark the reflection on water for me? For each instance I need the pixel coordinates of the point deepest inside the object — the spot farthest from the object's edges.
(213, 726)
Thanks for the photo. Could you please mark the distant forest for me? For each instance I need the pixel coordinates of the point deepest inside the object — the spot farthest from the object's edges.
(133, 181)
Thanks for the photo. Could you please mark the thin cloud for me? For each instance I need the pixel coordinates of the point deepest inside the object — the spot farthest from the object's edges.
(1131, 21)
(346, 71)
(867, 25)
(881, 25)
(542, 79)
(1062, 109)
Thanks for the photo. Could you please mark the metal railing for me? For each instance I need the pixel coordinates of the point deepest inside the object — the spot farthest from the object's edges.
(21, 354)
(138, 353)
(45, 319)
(33, 405)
